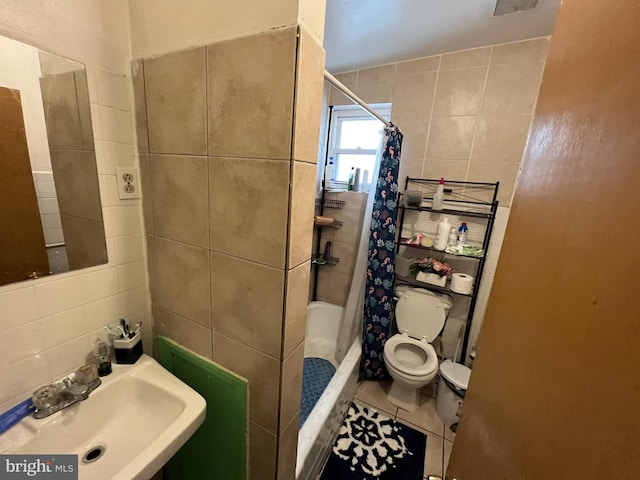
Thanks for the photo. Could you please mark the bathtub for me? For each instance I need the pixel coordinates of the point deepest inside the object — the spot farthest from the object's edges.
(317, 435)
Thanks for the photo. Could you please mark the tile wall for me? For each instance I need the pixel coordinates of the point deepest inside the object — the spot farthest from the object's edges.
(73, 162)
(334, 282)
(48, 207)
(51, 223)
(465, 116)
(228, 141)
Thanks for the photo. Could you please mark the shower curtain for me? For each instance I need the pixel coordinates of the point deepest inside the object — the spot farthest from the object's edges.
(378, 293)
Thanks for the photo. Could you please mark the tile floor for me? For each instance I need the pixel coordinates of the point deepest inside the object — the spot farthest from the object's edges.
(425, 419)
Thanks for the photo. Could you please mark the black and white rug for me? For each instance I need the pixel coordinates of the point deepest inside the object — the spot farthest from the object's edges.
(371, 446)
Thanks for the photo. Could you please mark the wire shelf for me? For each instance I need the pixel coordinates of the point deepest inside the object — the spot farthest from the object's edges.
(331, 203)
(319, 259)
(475, 199)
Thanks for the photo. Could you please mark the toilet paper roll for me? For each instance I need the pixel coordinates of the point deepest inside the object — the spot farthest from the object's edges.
(462, 283)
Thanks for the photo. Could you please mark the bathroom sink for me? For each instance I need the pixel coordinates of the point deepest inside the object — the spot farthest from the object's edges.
(127, 429)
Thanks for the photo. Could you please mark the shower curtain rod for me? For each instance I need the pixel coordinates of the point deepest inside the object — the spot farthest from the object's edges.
(353, 97)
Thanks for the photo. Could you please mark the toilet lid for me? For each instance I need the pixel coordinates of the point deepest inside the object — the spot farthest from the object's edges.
(456, 373)
(420, 315)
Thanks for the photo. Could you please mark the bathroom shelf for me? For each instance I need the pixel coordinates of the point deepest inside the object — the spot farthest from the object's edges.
(463, 199)
(337, 186)
(317, 259)
(336, 225)
(440, 252)
(330, 203)
(343, 186)
(449, 211)
(415, 283)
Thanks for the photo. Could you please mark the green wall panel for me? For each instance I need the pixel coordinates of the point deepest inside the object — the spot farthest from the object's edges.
(218, 449)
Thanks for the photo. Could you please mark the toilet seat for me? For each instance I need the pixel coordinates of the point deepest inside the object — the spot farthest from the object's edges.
(400, 352)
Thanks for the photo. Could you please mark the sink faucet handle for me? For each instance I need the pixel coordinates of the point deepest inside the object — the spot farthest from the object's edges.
(79, 391)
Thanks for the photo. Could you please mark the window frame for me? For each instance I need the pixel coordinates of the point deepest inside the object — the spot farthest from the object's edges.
(342, 113)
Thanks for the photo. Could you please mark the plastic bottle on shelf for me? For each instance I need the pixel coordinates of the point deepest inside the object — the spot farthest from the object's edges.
(440, 242)
(438, 198)
(352, 175)
(329, 174)
(453, 237)
(462, 234)
(356, 181)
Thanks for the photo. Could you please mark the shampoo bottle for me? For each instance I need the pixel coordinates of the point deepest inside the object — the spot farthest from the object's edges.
(329, 174)
(438, 199)
(352, 176)
(462, 234)
(442, 236)
(356, 181)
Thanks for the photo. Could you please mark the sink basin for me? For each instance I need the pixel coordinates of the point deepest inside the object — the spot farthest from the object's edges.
(127, 429)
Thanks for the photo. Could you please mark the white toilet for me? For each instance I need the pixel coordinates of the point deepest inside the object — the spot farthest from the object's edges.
(409, 356)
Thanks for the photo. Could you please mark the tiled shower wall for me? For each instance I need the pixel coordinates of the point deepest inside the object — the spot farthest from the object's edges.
(465, 116)
(334, 281)
(228, 138)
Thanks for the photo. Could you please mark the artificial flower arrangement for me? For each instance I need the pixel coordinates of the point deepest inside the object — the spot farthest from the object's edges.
(430, 270)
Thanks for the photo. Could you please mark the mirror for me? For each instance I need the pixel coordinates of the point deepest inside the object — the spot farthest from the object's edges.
(50, 212)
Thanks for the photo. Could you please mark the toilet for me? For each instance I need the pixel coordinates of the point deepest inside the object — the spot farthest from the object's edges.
(409, 356)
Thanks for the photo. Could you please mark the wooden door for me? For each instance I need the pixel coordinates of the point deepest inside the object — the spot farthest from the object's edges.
(555, 389)
(22, 246)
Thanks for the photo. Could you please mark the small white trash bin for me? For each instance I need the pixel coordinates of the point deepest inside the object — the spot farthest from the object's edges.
(452, 387)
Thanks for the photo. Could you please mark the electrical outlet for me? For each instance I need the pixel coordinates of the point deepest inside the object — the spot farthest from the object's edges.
(128, 183)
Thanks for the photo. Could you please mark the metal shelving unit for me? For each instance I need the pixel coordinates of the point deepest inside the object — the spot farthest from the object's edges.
(462, 199)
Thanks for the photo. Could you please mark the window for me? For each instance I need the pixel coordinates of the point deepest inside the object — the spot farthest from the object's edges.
(354, 139)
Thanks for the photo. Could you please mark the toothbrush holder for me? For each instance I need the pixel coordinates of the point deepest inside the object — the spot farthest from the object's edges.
(128, 350)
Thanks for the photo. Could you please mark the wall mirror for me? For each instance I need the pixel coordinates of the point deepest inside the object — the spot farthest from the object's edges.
(50, 212)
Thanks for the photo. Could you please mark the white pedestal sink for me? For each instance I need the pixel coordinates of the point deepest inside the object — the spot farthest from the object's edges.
(139, 417)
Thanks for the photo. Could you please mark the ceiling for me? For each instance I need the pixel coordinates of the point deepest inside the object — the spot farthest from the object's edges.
(364, 33)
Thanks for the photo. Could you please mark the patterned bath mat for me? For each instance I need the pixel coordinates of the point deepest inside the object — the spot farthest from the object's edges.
(316, 375)
(372, 446)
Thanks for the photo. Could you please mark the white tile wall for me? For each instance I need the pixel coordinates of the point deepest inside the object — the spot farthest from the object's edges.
(128, 249)
(48, 205)
(48, 326)
(121, 221)
(114, 90)
(117, 125)
(110, 155)
(493, 253)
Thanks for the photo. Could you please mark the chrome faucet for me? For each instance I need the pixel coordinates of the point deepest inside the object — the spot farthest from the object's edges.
(50, 399)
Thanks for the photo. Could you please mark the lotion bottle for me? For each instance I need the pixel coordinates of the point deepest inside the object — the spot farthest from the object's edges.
(444, 227)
